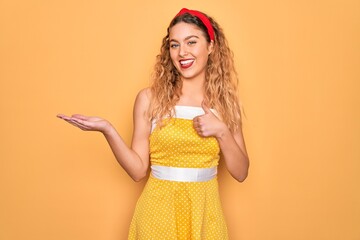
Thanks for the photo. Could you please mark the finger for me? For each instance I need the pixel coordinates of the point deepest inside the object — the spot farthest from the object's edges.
(208, 110)
(200, 132)
(80, 116)
(197, 121)
(195, 124)
(80, 125)
(80, 121)
(62, 116)
(198, 128)
(75, 124)
(205, 107)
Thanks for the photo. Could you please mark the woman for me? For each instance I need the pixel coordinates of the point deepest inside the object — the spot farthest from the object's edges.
(181, 124)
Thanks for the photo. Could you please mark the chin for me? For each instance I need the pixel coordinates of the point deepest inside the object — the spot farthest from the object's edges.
(189, 75)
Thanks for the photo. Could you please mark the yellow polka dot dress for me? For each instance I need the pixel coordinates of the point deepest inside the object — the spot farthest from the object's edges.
(175, 209)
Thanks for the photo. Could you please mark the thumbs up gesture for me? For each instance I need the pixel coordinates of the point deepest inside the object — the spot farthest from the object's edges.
(208, 124)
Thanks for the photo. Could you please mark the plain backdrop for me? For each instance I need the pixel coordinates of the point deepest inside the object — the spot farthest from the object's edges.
(299, 69)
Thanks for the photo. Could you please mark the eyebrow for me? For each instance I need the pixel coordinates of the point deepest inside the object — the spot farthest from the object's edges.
(188, 37)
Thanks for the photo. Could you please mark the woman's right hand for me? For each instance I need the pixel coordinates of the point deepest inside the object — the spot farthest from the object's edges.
(87, 123)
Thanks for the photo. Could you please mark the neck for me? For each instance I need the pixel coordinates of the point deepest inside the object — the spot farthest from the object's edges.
(192, 92)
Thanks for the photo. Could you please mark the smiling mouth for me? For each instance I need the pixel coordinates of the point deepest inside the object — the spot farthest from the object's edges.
(186, 63)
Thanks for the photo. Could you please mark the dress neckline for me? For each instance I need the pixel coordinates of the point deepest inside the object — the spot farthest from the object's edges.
(186, 106)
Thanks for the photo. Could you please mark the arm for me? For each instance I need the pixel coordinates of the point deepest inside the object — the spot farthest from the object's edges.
(234, 152)
(232, 145)
(134, 160)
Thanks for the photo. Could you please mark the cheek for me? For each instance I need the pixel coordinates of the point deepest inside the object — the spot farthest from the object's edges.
(173, 56)
(202, 53)
(204, 56)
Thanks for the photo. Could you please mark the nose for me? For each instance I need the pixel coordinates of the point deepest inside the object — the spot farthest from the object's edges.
(183, 51)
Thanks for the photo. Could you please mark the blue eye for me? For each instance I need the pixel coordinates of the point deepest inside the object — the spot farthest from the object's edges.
(174, 45)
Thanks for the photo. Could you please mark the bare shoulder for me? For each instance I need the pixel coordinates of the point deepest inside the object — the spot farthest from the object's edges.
(142, 102)
(143, 97)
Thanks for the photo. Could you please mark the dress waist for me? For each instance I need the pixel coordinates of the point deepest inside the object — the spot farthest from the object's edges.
(183, 174)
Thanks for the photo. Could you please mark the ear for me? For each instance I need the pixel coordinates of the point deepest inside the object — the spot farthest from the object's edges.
(210, 46)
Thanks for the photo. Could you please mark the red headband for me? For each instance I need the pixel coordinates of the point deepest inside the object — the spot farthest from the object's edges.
(203, 19)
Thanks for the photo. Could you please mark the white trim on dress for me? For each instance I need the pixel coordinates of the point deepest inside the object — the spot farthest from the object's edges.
(185, 112)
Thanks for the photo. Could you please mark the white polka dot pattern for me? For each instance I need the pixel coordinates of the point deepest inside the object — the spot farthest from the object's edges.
(178, 145)
(180, 210)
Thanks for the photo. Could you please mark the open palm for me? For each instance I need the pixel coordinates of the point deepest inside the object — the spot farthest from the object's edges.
(86, 123)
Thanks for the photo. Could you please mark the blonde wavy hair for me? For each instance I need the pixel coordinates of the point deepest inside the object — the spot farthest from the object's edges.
(221, 79)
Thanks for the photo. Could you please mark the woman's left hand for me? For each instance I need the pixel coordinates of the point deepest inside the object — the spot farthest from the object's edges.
(208, 124)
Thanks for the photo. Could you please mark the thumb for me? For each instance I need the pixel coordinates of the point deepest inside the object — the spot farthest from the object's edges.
(205, 107)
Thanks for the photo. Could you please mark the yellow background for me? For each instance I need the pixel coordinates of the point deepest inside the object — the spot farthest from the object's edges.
(299, 68)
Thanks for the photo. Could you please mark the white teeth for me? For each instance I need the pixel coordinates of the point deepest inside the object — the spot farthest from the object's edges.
(186, 62)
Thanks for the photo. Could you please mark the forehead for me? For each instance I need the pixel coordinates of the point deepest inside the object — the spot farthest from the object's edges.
(182, 30)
